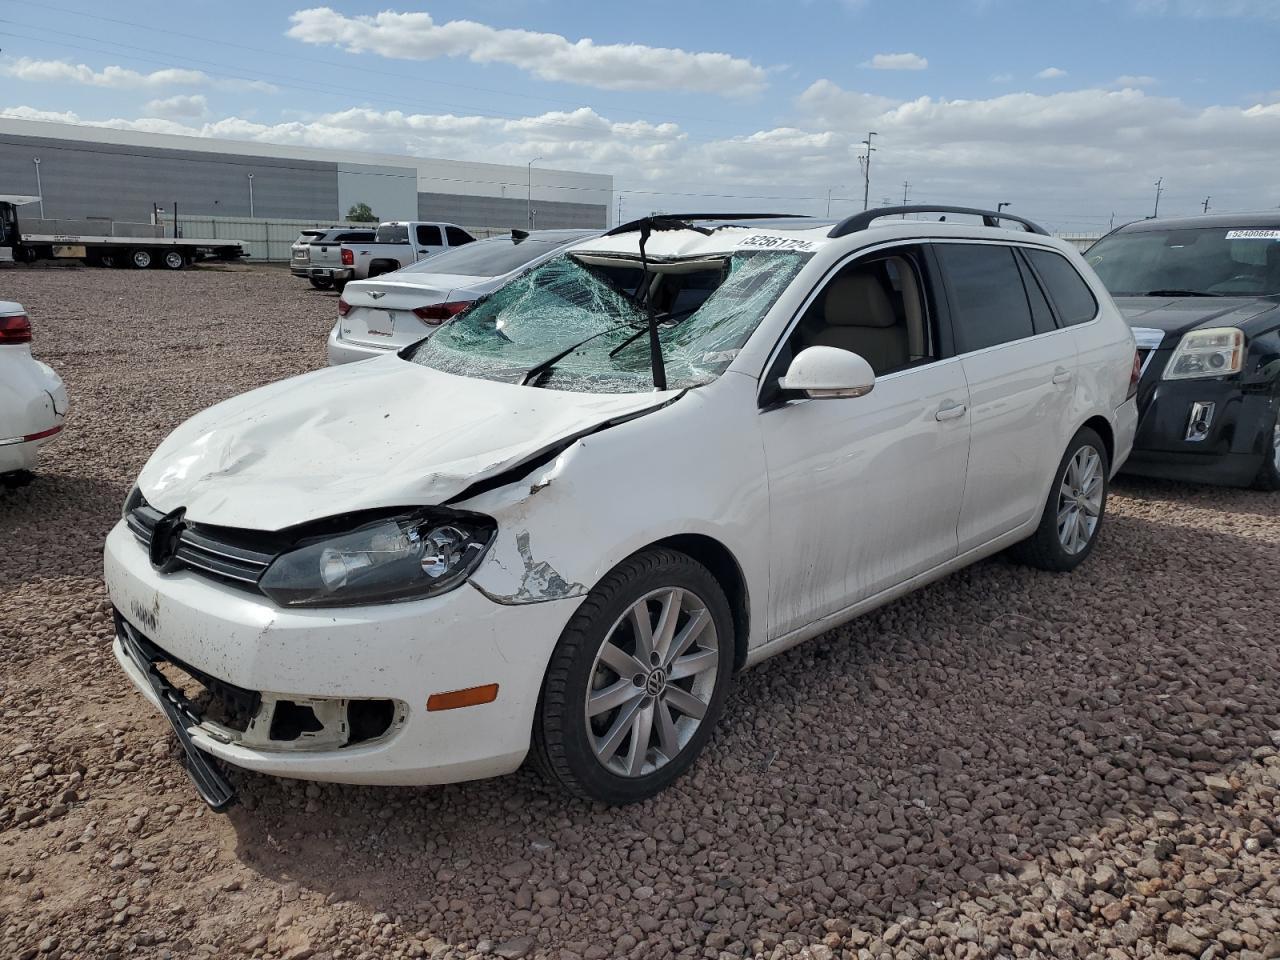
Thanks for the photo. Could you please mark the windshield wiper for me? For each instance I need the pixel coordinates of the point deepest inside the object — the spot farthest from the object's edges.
(647, 226)
(533, 373)
(1179, 293)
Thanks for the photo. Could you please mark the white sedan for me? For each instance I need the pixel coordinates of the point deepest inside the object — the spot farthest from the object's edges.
(33, 401)
(391, 311)
(561, 524)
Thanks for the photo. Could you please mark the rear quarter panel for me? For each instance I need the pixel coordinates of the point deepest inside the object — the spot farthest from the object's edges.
(1106, 349)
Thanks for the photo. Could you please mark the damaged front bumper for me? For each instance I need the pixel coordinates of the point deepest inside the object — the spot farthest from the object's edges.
(284, 681)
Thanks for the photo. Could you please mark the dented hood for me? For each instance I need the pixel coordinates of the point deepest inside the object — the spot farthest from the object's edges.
(381, 433)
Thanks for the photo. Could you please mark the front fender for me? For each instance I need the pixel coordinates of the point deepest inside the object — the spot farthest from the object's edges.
(566, 524)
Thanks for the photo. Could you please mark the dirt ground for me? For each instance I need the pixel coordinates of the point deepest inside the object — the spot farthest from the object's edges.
(1008, 763)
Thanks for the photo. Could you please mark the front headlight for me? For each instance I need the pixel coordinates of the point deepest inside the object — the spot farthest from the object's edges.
(396, 558)
(1207, 353)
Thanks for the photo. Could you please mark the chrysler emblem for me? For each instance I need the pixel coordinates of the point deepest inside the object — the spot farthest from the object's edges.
(377, 295)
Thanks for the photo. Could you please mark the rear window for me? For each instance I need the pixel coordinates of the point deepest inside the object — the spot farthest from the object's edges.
(355, 236)
(392, 233)
(1068, 291)
(485, 258)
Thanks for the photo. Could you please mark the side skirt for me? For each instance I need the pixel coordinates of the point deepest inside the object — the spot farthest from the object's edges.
(822, 625)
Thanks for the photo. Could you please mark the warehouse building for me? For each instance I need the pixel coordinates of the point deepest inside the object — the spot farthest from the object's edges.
(82, 172)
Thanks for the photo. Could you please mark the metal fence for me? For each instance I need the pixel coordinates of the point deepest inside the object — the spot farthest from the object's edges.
(1081, 241)
(269, 240)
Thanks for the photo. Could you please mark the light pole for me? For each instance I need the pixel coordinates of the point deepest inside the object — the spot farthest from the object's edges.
(1001, 205)
(838, 186)
(528, 186)
(866, 170)
(39, 189)
(251, 196)
(1159, 188)
(906, 186)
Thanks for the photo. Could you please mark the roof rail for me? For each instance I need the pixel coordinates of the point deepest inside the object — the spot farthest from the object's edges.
(693, 217)
(860, 221)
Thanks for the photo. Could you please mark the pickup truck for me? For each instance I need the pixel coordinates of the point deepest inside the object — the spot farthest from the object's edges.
(321, 255)
(396, 244)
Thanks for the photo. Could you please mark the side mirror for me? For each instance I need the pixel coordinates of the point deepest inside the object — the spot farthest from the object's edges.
(828, 373)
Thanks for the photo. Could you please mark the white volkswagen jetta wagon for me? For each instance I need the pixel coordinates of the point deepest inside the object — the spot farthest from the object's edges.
(560, 525)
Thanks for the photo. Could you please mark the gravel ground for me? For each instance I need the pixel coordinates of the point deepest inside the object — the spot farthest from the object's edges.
(1008, 763)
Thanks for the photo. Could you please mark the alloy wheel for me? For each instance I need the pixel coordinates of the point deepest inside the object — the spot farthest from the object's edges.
(652, 682)
(1080, 499)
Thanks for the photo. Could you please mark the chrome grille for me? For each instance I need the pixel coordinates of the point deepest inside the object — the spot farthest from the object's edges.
(205, 549)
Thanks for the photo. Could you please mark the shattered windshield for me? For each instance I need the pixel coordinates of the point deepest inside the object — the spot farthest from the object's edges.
(705, 308)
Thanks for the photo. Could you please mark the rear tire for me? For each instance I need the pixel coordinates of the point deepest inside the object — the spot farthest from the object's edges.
(16, 479)
(174, 260)
(1074, 509)
(320, 283)
(140, 259)
(1268, 477)
(683, 671)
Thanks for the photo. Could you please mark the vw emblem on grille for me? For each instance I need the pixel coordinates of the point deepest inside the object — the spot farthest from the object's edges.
(165, 539)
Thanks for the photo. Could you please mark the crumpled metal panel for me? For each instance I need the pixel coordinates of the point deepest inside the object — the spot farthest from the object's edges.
(375, 434)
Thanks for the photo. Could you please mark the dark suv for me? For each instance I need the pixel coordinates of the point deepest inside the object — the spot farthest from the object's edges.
(1202, 295)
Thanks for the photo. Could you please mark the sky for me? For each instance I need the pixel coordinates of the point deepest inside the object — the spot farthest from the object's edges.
(1068, 110)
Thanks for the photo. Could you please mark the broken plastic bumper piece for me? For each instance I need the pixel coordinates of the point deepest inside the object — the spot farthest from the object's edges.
(210, 782)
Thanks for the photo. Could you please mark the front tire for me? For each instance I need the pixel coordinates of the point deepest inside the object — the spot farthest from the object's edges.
(637, 681)
(1074, 510)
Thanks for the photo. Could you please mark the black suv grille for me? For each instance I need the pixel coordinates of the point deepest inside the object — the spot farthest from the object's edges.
(220, 553)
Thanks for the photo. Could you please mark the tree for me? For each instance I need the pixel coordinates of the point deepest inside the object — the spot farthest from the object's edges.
(361, 213)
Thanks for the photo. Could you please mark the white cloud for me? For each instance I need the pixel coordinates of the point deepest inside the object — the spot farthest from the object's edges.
(1068, 158)
(1051, 73)
(1131, 80)
(180, 107)
(1002, 78)
(60, 71)
(550, 56)
(896, 61)
(121, 78)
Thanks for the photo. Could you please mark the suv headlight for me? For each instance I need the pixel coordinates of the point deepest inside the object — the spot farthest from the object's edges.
(406, 557)
(1207, 353)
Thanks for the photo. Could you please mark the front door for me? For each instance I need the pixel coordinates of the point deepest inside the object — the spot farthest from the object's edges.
(865, 492)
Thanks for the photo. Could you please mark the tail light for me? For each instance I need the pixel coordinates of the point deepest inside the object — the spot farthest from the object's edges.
(348, 258)
(15, 329)
(438, 313)
(1135, 374)
(343, 307)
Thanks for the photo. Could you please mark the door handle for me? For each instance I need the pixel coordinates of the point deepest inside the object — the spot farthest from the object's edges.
(1061, 375)
(950, 411)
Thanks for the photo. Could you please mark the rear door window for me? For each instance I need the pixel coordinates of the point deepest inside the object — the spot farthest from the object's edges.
(1067, 289)
(988, 302)
(429, 235)
(457, 236)
(1041, 312)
